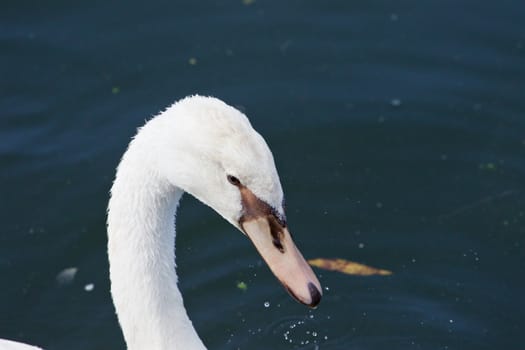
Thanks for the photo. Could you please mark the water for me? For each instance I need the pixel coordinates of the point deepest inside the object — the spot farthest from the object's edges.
(398, 129)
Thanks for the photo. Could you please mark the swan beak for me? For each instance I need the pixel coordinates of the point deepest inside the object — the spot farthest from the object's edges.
(284, 259)
(274, 242)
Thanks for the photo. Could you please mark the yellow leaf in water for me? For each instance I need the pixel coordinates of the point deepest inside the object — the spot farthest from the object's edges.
(348, 267)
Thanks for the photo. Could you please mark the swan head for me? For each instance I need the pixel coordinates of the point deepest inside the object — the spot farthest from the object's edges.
(210, 150)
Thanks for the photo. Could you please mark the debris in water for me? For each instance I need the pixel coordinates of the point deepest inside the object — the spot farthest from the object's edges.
(242, 286)
(89, 287)
(67, 275)
(348, 267)
(395, 102)
(487, 166)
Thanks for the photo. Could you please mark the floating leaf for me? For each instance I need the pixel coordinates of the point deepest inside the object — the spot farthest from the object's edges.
(348, 267)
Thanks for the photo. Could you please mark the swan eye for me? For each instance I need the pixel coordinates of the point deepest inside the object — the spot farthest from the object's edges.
(233, 180)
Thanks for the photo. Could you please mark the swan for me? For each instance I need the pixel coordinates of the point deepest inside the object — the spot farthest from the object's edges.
(13, 345)
(202, 146)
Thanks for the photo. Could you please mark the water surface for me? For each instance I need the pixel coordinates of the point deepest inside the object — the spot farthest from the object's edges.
(398, 130)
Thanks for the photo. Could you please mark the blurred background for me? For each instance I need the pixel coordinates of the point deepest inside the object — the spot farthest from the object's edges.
(398, 129)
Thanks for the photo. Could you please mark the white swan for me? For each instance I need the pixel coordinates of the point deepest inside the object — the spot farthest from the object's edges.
(13, 345)
(207, 148)
(202, 146)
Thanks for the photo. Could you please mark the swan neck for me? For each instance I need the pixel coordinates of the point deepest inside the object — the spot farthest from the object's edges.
(141, 250)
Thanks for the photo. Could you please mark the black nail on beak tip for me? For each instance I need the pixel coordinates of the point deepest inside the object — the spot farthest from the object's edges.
(315, 294)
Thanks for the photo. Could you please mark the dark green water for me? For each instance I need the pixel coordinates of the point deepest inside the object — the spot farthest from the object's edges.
(398, 130)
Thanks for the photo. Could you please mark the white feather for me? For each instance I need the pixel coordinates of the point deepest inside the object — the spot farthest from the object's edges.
(11, 345)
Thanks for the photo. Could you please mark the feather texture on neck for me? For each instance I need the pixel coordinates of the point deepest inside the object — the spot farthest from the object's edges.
(141, 234)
